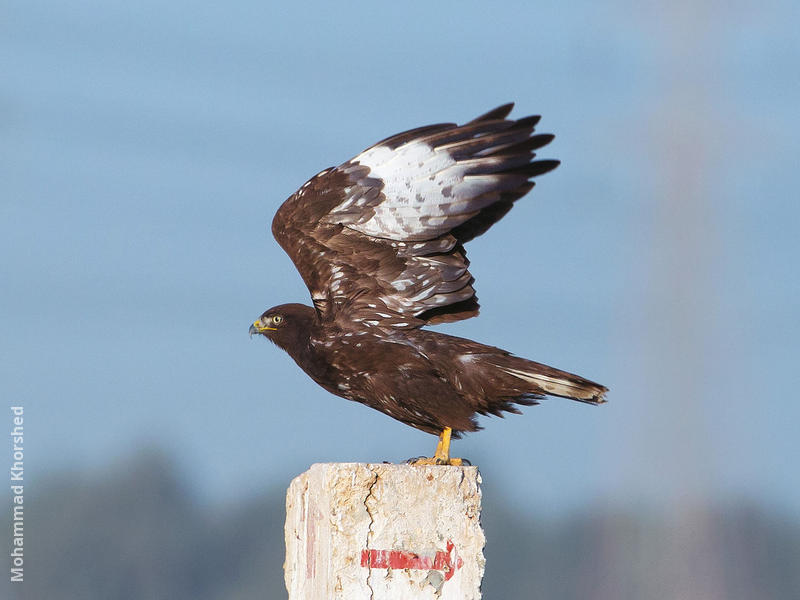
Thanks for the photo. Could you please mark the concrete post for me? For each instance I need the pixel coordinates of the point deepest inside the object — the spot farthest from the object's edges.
(384, 532)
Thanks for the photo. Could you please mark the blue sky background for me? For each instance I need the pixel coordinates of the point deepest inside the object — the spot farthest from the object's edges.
(145, 147)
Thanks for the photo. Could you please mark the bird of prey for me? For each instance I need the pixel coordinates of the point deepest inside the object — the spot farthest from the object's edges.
(379, 241)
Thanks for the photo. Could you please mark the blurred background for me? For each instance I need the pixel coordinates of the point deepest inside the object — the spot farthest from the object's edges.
(144, 148)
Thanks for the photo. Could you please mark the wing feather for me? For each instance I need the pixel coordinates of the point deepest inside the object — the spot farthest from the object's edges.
(380, 239)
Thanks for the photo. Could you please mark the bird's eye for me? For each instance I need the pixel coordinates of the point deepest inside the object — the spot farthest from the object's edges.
(277, 319)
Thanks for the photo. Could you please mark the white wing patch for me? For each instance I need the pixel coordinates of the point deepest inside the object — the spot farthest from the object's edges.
(426, 192)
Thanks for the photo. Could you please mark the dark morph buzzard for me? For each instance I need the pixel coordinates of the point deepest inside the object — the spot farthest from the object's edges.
(379, 241)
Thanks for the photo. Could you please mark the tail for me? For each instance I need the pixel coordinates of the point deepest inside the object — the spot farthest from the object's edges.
(532, 379)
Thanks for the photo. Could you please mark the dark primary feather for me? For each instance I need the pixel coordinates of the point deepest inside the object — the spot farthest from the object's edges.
(393, 221)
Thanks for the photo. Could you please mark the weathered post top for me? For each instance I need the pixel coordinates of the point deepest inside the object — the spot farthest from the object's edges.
(384, 532)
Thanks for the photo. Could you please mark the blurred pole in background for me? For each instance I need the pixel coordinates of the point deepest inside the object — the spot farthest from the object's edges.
(678, 326)
(679, 271)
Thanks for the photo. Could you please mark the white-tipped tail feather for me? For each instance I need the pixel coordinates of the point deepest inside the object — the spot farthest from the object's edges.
(564, 384)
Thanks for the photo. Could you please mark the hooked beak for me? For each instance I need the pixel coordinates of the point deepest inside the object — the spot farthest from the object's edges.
(257, 327)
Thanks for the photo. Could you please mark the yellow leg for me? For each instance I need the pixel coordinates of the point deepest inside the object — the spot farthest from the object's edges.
(442, 456)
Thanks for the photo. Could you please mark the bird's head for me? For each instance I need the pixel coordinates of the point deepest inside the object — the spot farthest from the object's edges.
(287, 325)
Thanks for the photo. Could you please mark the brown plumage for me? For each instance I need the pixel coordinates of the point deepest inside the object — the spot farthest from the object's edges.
(379, 241)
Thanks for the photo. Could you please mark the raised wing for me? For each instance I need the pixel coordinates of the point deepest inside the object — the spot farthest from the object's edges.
(380, 238)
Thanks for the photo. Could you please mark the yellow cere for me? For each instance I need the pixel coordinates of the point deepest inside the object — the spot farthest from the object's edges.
(260, 327)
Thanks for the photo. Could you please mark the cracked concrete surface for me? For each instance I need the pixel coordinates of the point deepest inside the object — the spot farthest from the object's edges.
(383, 531)
(369, 529)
